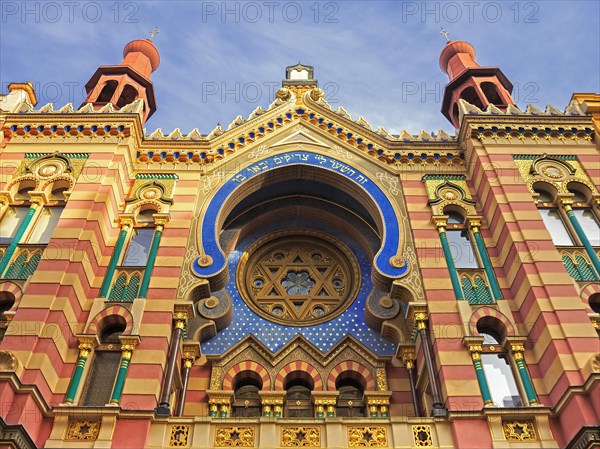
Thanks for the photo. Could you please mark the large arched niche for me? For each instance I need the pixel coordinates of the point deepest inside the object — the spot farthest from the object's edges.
(360, 195)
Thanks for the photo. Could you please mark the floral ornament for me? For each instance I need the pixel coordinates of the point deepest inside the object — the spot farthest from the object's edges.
(298, 283)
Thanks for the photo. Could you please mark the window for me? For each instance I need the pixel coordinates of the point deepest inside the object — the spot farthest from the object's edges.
(350, 400)
(103, 372)
(553, 219)
(45, 224)
(139, 247)
(7, 300)
(298, 399)
(10, 223)
(589, 224)
(496, 367)
(460, 242)
(246, 401)
(501, 380)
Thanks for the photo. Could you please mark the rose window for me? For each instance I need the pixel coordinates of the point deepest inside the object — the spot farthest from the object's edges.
(298, 278)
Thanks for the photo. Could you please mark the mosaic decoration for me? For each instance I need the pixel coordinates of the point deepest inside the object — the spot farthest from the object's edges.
(301, 437)
(83, 430)
(179, 436)
(274, 335)
(234, 436)
(298, 277)
(422, 436)
(367, 437)
(519, 431)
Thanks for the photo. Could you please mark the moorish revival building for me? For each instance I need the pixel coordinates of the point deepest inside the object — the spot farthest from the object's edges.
(299, 278)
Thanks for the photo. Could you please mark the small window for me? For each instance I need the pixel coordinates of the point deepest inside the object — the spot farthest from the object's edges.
(589, 224)
(556, 227)
(501, 380)
(455, 218)
(146, 216)
(23, 194)
(246, 402)
(490, 336)
(462, 249)
(350, 400)
(298, 399)
(544, 197)
(139, 247)
(45, 224)
(10, 223)
(58, 194)
(578, 197)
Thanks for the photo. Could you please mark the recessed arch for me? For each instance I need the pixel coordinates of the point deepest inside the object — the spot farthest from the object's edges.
(235, 372)
(352, 370)
(111, 315)
(491, 318)
(302, 165)
(300, 368)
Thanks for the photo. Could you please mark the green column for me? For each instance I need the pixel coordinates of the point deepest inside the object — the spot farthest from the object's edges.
(586, 243)
(487, 264)
(483, 385)
(18, 236)
(450, 262)
(84, 352)
(151, 260)
(122, 374)
(113, 261)
(525, 378)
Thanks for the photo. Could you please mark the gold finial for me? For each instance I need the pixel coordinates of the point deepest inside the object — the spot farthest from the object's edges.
(445, 33)
(153, 31)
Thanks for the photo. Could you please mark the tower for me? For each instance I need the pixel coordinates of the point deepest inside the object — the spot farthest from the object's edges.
(124, 83)
(480, 86)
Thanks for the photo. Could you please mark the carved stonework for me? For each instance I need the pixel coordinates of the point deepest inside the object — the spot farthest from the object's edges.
(83, 430)
(519, 431)
(373, 436)
(179, 436)
(234, 436)
(8, 362)
(422, 436)
(301, 437)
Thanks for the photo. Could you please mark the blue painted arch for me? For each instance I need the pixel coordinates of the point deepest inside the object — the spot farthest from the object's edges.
(210, 221)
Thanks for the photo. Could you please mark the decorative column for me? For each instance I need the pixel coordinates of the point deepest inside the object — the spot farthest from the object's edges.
(191, 351)
(418, 313)
(440, 222)
(474, 345)
(566, 205)
(408, 356)
(128, 344)
(325, 402)
(378, 403)
(86, 344)
(126, 221)
(37, 200)
(475, 224)
(219, 402)
(160, 220)
(517, 348)
(272, 403)
(180, 316)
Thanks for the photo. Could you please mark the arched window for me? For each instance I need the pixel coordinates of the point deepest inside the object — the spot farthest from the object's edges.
(105, 365)
(298, 396)
(14, 215)
(460, 242)
(128, 95)
(470, 96)
(588, 221)
(553, 219)
(107, 91)
(497, 369)
(7, 300)
(490, 90)
(350, 400)
(140, 240)
(246, 400)
(48, 218)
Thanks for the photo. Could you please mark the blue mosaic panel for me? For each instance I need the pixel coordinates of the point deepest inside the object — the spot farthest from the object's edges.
(324, 336)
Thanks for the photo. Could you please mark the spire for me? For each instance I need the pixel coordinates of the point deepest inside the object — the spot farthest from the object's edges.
(130, 80)
(480, 86)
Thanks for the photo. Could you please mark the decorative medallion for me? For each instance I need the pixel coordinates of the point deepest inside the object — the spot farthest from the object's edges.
(519, 431)
(179, 436)
(422, 436)
(298, 277)
(86, 430)
(375, 436)
(234, 436)
(552, 171)
(301, 437)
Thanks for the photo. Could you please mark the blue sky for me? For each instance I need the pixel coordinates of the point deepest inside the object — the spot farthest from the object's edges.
(377, 59)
